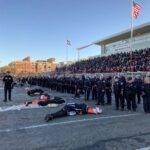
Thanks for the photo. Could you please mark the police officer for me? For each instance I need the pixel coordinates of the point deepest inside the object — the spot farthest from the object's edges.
(108, 86)
(8, 80)
(117, 92)
(138, 83)
(130, 94)
(122, 82)
(87, 88)
(146, 94)
(77, 88)
(100, 91)
(94, 89)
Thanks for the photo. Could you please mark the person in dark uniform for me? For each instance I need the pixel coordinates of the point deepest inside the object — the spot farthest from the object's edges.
(108, 87)
(122, 81)
(7, 80)
(117, 92)
(87, 89)
(130, 94)
(100, 92)
(146, 94)
(138, 83)
(94, 89)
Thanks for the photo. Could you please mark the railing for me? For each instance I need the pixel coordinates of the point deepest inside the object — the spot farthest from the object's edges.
(132, 74)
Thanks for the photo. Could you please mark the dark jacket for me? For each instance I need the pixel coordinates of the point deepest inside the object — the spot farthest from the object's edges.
(8, 80)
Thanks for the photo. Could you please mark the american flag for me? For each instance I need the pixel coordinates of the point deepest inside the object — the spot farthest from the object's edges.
(136, 10)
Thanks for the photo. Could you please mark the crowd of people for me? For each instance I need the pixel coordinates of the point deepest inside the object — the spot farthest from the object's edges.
(120, 62)
(128, 92)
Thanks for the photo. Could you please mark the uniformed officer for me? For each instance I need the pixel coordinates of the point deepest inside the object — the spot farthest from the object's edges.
(130, 94)
(117, 92)
(108, 86)
(138, 83)
(87, 88)
(94, 89)
(122, 81)
(7, 80)
(146, 94)
(100, 91)
(77, 88)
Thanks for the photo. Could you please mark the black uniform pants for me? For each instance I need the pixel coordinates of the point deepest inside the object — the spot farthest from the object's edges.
(77, 92)
(100, 98)
(87, 94)
(7, 92)
(131, 102)
(139, 96)
(117, 100)
(108, 95)
(122, 100)
(64, 111)
(94, 95)
(146, 103)
(61, 113)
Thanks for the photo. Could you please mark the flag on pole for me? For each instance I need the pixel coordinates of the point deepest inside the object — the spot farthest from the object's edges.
(69, 42)
(136, 10)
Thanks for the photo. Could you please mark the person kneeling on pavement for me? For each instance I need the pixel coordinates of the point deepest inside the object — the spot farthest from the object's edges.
(71, 109)
(45, 100)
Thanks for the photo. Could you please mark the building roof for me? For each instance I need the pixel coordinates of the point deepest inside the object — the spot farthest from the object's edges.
(27, 58)
(144, 28)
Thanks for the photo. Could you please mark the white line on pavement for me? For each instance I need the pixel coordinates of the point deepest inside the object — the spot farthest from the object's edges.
(145, 148)
(66, 122)
(20, 107)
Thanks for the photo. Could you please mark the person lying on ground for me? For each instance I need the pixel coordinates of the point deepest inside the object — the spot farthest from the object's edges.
(34, 92)
(71, 109)
(46, 99)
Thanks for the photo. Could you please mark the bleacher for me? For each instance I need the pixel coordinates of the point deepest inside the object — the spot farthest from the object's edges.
(136, 61)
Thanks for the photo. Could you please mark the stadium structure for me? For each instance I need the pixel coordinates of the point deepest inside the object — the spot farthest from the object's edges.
(120, 42)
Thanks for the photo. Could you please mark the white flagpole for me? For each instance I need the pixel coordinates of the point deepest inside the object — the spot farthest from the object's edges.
(66, 51)
(78, 54)
(131, 38)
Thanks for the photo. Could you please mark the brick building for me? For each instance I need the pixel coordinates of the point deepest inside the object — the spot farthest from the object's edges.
(26, 66)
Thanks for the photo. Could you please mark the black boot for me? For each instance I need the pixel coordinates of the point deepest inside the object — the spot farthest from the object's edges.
(48, 118)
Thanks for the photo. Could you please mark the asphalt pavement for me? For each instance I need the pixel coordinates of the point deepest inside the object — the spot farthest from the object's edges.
(26, 129)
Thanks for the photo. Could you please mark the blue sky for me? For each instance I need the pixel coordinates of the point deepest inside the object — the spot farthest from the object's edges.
(39, 28)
